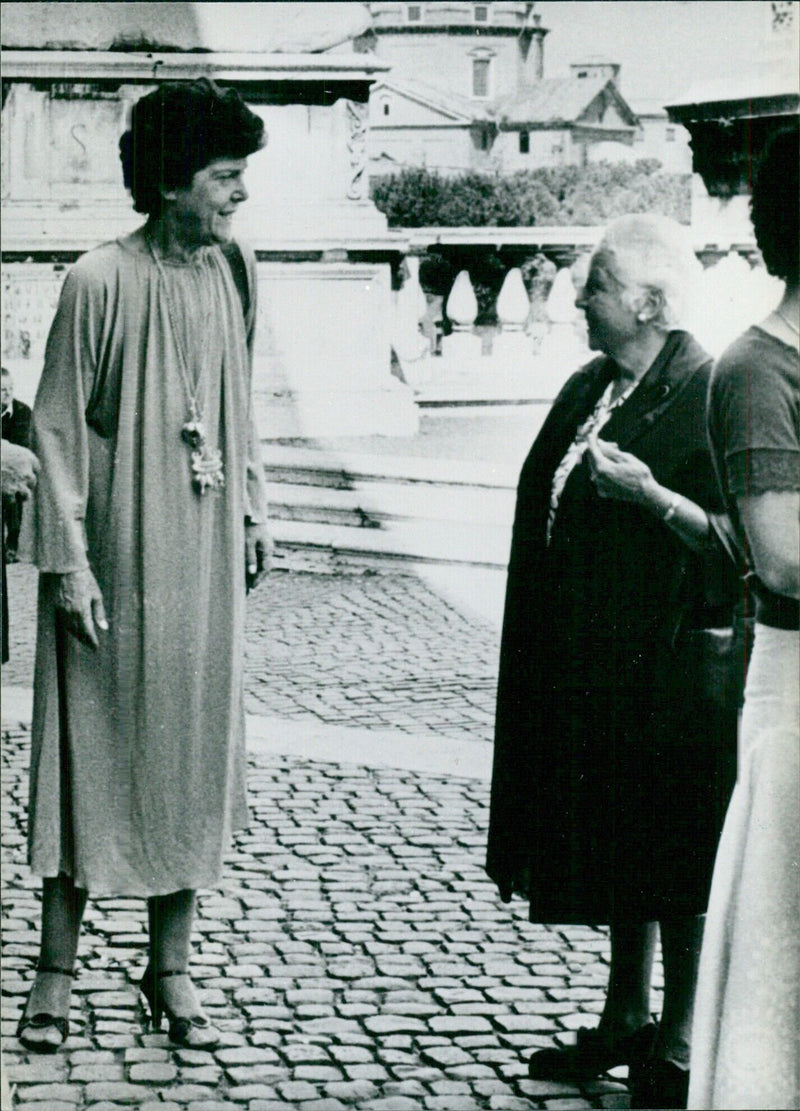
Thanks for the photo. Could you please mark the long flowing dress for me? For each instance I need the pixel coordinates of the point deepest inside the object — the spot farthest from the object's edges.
(138, 763)
(746, 1035)
(615, 735)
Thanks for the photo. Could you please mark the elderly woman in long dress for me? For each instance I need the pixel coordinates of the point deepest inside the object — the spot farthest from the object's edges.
(746, 1045)
(616, 710)
(150, 516)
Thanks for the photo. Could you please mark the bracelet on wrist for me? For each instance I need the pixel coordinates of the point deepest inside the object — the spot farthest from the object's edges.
(671, 509)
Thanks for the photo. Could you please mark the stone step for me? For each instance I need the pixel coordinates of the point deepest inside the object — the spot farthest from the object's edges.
(329, 508)
(407, 541)
(324, 467)
(369, 504)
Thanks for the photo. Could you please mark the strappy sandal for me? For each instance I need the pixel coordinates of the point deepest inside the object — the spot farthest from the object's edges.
(42, 1020)
(181, 1027)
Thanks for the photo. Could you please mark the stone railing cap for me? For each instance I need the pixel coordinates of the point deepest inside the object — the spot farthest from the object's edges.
(81, 66)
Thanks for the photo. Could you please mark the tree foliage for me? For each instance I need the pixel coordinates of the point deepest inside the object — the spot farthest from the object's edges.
(555, 195)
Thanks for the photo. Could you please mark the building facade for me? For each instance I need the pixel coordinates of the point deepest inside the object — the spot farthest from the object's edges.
(475, 51)
(467, 91)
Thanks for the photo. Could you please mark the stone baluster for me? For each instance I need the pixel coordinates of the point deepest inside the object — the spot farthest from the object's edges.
(732, 296)
(564, 348)
(411, 302)
(512, 348)
(561, 308)
(462, 348)
(412, 348)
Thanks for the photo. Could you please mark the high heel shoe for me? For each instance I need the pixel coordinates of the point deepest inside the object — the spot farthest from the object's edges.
(42, 1020)
(181, 1027)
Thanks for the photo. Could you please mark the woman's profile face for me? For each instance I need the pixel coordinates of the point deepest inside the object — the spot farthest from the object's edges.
(610, 321)
(206, 207)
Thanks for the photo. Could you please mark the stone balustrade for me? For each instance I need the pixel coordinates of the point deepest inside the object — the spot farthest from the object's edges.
(527, 356)
(535, 346)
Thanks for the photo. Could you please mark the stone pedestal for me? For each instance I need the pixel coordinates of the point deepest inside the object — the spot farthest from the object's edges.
(315, 366)
(462, 348)
(512, 348)
(513, 351)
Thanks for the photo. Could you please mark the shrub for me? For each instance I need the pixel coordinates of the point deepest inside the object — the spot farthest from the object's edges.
(560, 195)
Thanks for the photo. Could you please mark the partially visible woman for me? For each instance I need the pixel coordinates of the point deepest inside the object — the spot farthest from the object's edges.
(614, 747)
(746, 1045)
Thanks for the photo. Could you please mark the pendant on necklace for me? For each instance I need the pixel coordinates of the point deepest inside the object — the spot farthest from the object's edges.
(207, 469)
(193, 433)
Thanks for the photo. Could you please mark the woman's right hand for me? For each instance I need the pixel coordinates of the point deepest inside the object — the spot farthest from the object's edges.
(618, 474)
(80, 604)
(20, 468)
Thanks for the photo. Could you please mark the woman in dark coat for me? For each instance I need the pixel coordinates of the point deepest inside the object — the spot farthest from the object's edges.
(615, 747)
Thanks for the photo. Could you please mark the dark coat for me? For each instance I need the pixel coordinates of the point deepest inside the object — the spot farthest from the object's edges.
(16, 429)
(17, 424)
(614, 749)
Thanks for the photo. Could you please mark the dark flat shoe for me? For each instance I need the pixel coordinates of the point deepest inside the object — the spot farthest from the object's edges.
(592, 1055)
(656, 1083)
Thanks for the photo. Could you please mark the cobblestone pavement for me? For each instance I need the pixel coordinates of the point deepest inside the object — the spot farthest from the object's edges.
(366, 649)
(357, 956)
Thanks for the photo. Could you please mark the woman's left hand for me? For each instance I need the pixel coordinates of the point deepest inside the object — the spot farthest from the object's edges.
(258, 554)
(618, 474)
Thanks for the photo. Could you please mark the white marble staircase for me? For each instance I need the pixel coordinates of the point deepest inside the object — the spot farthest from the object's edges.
(337, 509)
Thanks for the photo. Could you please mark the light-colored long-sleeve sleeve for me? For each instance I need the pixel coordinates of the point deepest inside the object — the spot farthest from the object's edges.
(255, 500)
(59, 430)
(256, 511)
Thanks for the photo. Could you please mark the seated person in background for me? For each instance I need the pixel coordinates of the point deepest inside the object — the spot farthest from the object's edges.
(19, 468)
(16, 430)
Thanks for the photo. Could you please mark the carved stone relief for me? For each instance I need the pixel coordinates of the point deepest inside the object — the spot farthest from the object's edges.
(358, 120)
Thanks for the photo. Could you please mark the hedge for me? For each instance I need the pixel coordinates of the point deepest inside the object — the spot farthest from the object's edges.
(562, 195)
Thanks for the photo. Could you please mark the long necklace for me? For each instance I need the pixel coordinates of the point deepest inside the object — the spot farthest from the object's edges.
(788, 322)
(207, 467)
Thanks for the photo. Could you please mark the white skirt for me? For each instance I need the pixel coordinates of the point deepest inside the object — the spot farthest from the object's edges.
(746, 1037)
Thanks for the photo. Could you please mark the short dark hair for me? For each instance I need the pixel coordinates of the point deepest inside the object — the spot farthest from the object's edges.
(775, 208)
(179, 129)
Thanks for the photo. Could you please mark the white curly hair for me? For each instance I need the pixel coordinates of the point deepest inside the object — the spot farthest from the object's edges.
(650, 252)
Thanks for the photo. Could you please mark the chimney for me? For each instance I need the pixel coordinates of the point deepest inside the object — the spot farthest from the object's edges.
(531, 50)
(597, 67)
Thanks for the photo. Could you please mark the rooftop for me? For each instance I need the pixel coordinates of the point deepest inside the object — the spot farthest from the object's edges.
(433, 96)
(556, 100)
